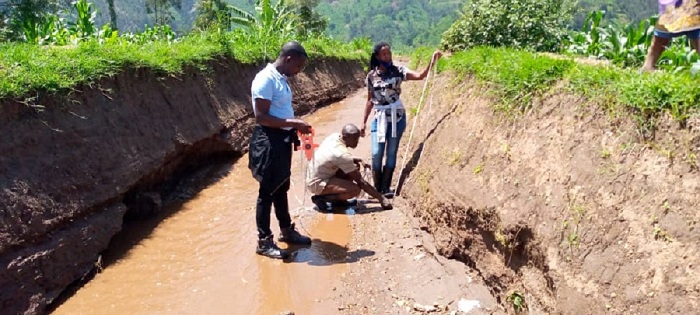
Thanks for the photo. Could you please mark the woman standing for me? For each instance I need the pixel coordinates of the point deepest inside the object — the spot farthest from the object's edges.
(389, 122)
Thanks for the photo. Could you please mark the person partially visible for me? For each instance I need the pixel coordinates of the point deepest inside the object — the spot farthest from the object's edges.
(270, 154)
(333, 176)
(389, 122)
(676, 18)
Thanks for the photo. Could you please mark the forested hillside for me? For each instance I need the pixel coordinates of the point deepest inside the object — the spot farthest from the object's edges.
(402, 22)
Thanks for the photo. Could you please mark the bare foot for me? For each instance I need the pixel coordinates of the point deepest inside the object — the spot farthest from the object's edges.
(647, 69)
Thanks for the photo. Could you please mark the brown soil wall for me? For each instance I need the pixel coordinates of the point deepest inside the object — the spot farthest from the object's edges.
(71, 172)
(565, 204)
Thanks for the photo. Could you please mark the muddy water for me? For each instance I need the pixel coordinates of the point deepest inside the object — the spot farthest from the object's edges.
(201, 259)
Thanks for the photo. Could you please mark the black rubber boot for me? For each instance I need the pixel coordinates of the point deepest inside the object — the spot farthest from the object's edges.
(377, 175)
(345, 203)
(268, 248)
(291, 236)
(387, 174)
(322, 204)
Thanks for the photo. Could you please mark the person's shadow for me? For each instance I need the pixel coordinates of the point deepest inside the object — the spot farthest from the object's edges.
(363, 206)
(368, 206)
(325, 253)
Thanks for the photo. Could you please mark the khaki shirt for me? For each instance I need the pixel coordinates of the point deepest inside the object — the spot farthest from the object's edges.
(332, 155)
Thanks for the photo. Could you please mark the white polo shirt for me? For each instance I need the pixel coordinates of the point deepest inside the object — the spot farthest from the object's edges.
(271, 85)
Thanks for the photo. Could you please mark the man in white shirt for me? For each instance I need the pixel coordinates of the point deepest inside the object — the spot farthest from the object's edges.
(333, 175)
(270, 154)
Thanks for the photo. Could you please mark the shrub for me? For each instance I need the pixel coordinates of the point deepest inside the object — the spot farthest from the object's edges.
(529, 24)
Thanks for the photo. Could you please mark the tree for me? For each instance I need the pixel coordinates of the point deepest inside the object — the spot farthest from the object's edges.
(309, 20)
(532, 24)
(162, 10)
(112, 14)
(4, 31)
(211, 13)
(404, 23)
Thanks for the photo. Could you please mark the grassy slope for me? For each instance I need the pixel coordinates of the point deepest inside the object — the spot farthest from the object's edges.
(27, 68)
(519, 75)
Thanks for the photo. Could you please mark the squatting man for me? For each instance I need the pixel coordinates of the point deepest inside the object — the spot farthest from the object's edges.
(334, 175)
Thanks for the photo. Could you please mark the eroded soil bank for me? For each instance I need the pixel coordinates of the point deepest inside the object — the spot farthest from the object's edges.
(566, 204)
(70, 173)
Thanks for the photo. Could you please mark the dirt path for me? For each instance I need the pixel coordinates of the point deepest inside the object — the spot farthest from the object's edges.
(406, 275)
(198, 257)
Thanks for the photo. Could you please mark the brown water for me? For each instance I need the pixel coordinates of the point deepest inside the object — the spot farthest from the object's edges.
(201, 259)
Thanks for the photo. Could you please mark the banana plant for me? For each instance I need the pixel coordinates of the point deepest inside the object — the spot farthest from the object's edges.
(241, 17)
(269, 20)
(266, 26)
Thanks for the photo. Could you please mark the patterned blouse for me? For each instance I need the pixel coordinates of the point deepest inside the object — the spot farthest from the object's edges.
(385, 87)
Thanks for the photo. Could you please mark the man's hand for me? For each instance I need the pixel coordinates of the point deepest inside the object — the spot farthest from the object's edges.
(363, 129)
(301, 126)
(369, 189)
(363, 166)
(263, 118)
(360, 163)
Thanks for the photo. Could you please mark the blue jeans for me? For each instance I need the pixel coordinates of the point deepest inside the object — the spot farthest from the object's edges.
(391, 145)
(668, 35)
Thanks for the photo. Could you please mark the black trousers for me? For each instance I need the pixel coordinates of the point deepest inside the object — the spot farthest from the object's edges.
(270, 161)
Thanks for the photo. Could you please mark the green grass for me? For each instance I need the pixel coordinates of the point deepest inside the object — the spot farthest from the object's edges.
(26, 68)
(420, 57)
(517, 76)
